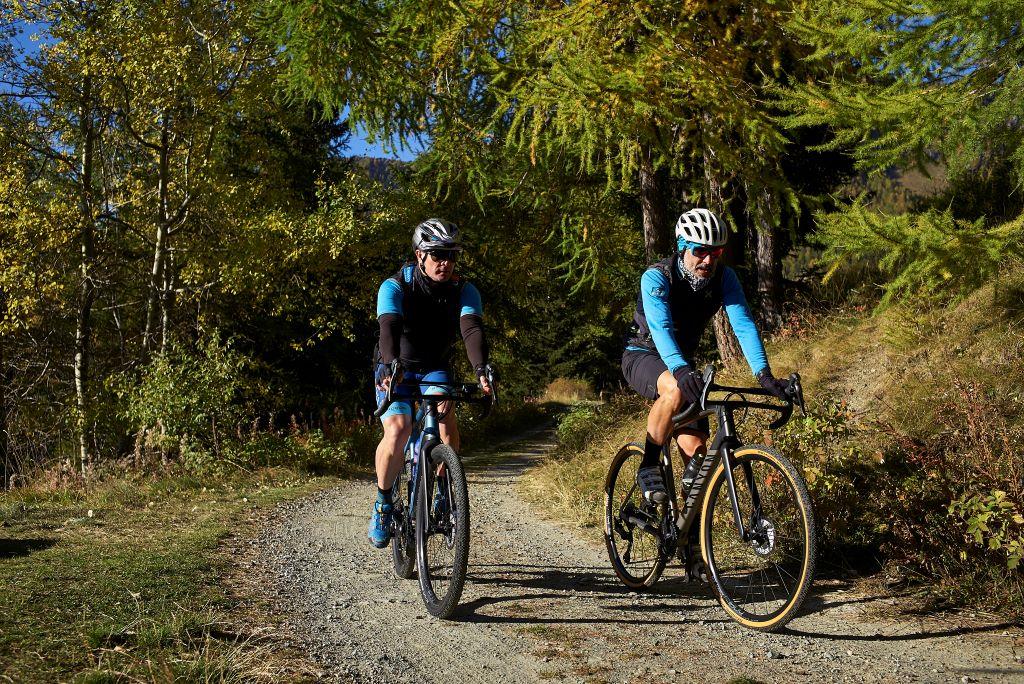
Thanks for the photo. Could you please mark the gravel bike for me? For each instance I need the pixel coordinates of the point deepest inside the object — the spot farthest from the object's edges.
(430, 509)
(747, 504)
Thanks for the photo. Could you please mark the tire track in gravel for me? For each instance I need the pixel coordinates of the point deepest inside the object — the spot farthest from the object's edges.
(541, 603)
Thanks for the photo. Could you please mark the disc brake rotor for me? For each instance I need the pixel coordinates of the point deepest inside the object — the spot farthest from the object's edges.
(762, 538)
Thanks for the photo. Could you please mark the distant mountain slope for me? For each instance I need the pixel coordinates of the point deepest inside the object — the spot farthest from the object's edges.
(379, 169)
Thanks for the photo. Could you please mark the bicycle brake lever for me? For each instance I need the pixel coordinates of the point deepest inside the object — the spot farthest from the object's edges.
(797, 391)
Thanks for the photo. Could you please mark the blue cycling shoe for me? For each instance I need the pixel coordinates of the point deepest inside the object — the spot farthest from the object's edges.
(380, 524)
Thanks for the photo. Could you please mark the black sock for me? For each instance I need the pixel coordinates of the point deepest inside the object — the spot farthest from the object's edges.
(384, 495)
(652, 453)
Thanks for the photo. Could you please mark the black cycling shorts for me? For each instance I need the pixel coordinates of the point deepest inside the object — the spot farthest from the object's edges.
(642, 370)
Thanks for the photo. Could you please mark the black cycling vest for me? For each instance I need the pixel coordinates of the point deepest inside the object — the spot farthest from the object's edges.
(694, 309)
(430, 320)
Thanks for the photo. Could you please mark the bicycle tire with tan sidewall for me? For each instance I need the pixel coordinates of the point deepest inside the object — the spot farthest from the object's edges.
(635, 582)
(798, 488)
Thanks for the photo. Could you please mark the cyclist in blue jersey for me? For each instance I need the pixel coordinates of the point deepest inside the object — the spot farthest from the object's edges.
(421, 310)
(678, 297)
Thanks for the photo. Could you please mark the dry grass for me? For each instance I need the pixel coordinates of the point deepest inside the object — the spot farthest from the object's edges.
(569, 485)
(123, 581)
(568, 391)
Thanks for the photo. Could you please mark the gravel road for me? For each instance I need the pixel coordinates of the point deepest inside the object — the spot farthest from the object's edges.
(541, 603)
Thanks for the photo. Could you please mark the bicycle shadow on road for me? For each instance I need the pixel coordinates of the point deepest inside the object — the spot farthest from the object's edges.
(561, 578)
(558, 587)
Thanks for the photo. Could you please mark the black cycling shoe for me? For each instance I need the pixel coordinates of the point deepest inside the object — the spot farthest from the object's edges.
(652, 487)
(694, 567)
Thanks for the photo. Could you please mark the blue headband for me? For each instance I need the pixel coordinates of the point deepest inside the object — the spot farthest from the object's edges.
(683, 244)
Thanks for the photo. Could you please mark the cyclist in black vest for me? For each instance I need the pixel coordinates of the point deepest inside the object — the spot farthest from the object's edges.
(421, 310)
(678, 297)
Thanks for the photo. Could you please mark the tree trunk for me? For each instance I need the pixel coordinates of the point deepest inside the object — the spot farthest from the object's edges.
(728, 346)
(768, 265)
(652, 206)
(157, 277)
(87, 287)
(170, 284)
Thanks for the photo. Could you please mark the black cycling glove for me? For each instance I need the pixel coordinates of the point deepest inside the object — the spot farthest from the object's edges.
(690, 383)
(777, 387)
(486, 370)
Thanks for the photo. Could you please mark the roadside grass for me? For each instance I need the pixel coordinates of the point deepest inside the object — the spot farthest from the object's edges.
(911, 449)
(569, 484)
(121, 581)
(131, 575)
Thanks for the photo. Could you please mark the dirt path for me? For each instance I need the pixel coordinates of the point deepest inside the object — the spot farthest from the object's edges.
(542, 603)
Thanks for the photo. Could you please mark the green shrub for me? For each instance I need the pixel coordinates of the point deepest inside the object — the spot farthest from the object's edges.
(577, 426)
(839, 469)
(310, 451)
(184, 393)
(929, 253)
(993, 523)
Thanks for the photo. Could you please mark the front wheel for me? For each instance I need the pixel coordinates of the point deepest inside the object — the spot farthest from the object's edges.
(763, 580)
(442, 531)
(403, 539)
(632, 527)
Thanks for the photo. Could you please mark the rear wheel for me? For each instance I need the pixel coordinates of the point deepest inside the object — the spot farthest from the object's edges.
(762, 581)
(442, 531)
(631, 525)
(403, 540)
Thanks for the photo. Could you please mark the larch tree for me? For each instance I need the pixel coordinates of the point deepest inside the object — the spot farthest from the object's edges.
(654, 93)
(913, 81)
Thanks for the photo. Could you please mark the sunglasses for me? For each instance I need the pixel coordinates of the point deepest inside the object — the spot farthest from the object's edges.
(443, 254)
(702, 252)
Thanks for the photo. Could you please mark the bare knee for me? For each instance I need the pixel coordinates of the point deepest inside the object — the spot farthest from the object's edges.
(397, 430)
(668, 391)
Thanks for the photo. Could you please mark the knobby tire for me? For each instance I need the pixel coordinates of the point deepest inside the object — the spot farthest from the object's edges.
(441, 593)
(620, 491)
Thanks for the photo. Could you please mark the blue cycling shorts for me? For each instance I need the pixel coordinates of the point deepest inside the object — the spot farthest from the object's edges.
(412, 383)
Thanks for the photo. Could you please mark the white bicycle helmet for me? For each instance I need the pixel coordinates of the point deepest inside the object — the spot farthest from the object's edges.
(700, 227)
(435, 233)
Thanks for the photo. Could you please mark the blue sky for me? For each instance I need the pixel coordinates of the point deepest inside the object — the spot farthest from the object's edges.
(360, 147)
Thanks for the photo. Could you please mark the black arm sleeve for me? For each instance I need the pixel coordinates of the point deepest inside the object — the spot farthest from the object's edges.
(390, 336)
(473, 335)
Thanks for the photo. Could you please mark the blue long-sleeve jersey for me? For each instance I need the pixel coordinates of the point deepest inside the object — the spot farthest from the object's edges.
(671, 316)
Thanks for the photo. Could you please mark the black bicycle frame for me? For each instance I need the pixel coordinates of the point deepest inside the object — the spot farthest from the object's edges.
(722, 448)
